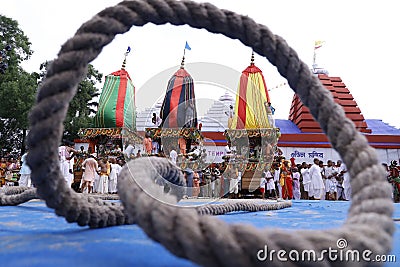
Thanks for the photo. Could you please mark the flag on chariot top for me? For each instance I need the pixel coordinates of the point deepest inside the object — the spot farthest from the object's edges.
(318, 44)
(252, 107)
(187, 46)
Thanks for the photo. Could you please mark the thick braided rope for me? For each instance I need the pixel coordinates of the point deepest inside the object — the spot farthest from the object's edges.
(369, 224)
(220, 209)
(15, 195)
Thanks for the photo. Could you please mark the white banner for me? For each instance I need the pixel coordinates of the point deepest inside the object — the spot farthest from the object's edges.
(305, 154)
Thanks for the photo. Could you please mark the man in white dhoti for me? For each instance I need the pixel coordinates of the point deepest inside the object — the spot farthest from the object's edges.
(234, 183)
(216, 183)
(102, 186)
(270, 185)
(346, 182)
(330, 182)
(339, 180)
(65, 154)
(296, 183)
(25, 173)
(305, 172)
(113, 178)
(277, 175)
(90, 167)
(322, 167)
(317, 188)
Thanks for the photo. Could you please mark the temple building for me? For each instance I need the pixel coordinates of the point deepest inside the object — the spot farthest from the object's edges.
(302, 138)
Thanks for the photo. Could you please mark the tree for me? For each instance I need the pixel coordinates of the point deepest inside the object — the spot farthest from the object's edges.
(11, 34)
(82, 108)
(17, 87)
(17, 98)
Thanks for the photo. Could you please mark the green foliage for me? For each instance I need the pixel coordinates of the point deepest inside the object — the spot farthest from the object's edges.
(18, 91)
(17, 87)
(17, 97)
(10, 136)
(11, 34)
(83, 106)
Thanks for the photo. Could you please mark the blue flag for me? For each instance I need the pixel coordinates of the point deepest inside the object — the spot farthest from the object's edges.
(128, 50)
(187, 46)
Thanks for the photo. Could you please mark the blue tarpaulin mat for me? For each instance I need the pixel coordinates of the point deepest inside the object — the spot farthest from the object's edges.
(33, 235)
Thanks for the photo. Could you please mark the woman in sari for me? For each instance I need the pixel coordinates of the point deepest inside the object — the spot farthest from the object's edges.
(286, 181)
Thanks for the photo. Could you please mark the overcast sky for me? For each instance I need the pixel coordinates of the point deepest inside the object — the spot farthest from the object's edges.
(361, 46)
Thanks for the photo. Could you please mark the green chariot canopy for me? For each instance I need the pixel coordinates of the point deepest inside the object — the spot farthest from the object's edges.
(117, 102)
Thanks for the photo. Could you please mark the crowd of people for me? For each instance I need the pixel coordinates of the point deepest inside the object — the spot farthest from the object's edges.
(287, 180)
(97, 174)
(10, 167)
(284, 179)
(217, 180)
